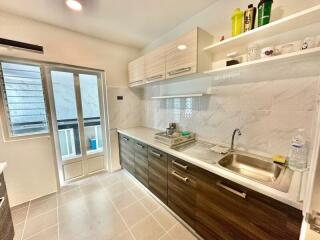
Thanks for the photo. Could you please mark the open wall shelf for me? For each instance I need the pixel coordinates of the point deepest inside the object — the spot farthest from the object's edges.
(180, 96)
(286, 24)
(309, 54)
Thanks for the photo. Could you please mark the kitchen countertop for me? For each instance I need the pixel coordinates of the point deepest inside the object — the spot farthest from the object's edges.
(208, 161)
(3, 165)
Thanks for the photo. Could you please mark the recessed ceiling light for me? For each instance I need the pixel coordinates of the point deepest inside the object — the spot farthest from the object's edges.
(182, 47)
(74, 5)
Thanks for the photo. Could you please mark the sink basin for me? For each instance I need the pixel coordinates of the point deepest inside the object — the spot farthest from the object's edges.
(251, 167)
(257, 169)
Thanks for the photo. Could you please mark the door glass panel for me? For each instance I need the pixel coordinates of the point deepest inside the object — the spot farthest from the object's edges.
(89, 86)
(66, 112)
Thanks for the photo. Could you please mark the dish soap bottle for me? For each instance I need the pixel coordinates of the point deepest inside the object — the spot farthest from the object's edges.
(249, 18)
(298, 151)
(264, 12)
(237, 19)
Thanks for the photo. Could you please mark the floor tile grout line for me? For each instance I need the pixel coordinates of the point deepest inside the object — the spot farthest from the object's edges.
(66, 191)
(137, 200)
(123, 221)
(161, 204)
(131, 204)
(40, 200)
(45, 212)
(161, 224)
(140, 220)
(45, 229)
(25, 221)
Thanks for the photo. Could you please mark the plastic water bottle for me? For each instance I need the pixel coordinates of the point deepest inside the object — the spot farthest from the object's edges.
(298, 151)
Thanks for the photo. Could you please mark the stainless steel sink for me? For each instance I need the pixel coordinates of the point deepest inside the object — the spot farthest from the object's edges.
(259, 169)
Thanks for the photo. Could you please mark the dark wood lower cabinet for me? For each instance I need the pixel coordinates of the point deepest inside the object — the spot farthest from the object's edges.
(6, 225)
(182, 190)
(216, 208)
(141, 162)
(126, 146)
(226, 210)
(158, 173)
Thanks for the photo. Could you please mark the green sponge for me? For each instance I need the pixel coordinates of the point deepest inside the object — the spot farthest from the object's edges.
(185, 133)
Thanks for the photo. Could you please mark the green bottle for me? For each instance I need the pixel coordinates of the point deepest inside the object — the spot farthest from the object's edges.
(264, 12)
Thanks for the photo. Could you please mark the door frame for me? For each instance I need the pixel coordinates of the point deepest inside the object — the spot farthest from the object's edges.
(313, 177)
(76, 71)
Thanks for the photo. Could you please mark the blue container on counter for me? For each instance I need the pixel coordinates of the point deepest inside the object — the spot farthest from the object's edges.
(93, 143)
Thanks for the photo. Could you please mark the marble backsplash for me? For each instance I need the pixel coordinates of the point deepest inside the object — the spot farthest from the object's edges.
(267, 113)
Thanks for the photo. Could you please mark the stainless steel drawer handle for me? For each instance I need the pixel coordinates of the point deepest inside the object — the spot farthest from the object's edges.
(155, 154)
(185, 167)
(180, 70)
(184, 179)
(154, 77)
(2, 199)
(139, 145)
(240, 194)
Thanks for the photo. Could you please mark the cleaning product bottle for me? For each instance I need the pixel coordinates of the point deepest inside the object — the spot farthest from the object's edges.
(298, 151)
(264, 12)
(237, 19)
(249, 18)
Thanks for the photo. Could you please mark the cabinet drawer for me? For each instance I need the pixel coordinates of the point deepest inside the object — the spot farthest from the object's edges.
(158, 173)
(141, 148)
(126, 152)
(183, 166)
(141, 162)
(226, 210)
(182, 194)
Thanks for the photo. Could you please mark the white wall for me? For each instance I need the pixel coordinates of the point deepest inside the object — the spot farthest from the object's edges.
(68, 47)
(31, 163)
(216, 19)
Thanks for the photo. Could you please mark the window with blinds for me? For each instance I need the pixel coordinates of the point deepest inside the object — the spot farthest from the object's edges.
(23, 99)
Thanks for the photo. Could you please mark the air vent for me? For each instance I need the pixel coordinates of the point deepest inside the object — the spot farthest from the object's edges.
(21, 45)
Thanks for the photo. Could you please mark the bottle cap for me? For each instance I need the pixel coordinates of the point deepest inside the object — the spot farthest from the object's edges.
(264, 1)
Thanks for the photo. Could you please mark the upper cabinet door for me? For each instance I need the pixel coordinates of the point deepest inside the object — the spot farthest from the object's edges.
(155, 65)
(136, 70)
(182, 56)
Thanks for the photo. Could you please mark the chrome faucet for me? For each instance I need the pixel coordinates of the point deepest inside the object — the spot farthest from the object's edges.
(237, 130)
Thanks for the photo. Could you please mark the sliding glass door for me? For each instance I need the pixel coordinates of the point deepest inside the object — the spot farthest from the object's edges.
(78, 121)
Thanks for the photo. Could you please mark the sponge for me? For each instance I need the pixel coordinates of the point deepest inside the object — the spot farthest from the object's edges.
(279, 159)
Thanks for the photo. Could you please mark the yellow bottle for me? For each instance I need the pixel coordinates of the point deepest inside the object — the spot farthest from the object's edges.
(237, 21)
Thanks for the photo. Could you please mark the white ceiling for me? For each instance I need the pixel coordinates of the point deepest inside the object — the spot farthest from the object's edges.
(131, 22)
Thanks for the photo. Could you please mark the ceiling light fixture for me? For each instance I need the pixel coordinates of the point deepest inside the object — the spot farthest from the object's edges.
(74, 5)
(182, 47)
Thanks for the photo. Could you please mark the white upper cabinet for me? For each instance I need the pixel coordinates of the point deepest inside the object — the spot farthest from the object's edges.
(183, 56)
(155, 65)
(186, 56)
(136, 71)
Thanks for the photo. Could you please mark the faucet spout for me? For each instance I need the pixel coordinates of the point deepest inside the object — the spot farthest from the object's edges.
(237, 130)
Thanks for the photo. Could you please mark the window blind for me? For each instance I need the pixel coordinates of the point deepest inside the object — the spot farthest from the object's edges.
(23, 98)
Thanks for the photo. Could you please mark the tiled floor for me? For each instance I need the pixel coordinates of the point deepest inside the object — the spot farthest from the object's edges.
(103, 207)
